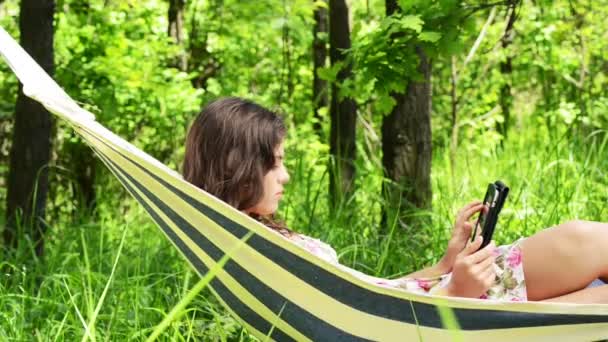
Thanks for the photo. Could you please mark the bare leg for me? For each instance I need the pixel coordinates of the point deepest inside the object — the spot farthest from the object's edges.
(585, 296)
(565, 259)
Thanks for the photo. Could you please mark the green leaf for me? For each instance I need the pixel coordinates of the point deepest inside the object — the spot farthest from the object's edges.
(408, 5)
(320, 4)
(429, 36)
(323, 36)
(385, 103)
(412, 22)
(330, 73)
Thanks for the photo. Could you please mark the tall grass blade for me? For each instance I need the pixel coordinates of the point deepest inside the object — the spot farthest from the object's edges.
(449, 320)
(93, 318)
(178, 310)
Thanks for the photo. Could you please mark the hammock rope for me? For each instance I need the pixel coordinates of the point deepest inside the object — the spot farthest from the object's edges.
(273, 287)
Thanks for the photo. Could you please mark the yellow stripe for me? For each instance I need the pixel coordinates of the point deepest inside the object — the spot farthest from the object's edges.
(226, 278)
(235, 215)
(247, 326)
(175, 179)
(521, 332)
(351, 321)
(292, 288)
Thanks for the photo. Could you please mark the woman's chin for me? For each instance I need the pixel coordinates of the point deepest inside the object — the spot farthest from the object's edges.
(266, 210)
(271, 211)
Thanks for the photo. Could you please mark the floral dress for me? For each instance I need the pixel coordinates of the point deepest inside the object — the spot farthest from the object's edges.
(509, 284)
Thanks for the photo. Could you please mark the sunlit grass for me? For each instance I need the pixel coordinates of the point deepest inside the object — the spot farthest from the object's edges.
(129, 284)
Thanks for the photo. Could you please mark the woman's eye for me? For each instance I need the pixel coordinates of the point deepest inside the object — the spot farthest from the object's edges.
(278, 162)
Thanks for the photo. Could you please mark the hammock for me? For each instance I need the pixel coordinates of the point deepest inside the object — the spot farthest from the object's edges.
(276, 289)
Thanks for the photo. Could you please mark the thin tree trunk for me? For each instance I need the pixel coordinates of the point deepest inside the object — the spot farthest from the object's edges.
(578, 86)
(343, 111)
(83, 165)
(287, 45)
(454, 122)
(506, 68)
(201, 62)
(176, 30)
(319, 86)
(406, 139)
(286, 73)
(31, 145)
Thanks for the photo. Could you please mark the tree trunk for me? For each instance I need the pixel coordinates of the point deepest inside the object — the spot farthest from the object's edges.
(319, 86)
(176, 30)
(506, 68)
(201, 63)
(406, 139)
(343, 111)
(454, 122)
(286, 79)
(578, 87)
(31, 145)
(83, 164)
(391, 7)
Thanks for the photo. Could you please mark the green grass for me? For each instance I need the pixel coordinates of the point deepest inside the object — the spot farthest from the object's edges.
(116, 277)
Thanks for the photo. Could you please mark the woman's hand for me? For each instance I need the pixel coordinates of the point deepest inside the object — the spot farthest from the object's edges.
(461, 233)
(473, 273)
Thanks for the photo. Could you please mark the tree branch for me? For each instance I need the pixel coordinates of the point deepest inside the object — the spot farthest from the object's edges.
(480, 38)
(474, 9)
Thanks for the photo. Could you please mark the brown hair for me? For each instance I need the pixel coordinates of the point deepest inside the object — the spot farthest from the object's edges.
(230, 148)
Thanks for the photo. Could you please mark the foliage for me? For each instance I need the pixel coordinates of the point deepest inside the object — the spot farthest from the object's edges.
(270, 43)
(558, 76)
(113, 58)
(385, 51)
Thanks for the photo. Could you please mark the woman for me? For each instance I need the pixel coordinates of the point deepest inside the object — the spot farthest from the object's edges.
(234, 150)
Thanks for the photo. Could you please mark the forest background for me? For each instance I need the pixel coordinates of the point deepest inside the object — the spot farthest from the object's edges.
(399, 113)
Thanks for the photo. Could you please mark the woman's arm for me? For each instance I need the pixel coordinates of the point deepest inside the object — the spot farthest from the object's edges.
(460, 235)
(440, 268)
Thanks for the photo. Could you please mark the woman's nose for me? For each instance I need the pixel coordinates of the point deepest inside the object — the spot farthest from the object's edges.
(284, 176)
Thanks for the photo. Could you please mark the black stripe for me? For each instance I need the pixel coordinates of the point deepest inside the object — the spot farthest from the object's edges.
(300, 319)
(371, 302)
(244, 312)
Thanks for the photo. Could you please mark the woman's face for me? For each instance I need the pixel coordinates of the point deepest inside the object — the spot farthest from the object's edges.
(273, 185)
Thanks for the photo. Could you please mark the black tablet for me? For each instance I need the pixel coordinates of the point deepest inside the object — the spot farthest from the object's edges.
(493, 200)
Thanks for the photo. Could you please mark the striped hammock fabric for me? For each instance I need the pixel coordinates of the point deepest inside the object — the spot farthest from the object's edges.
(278, 290)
